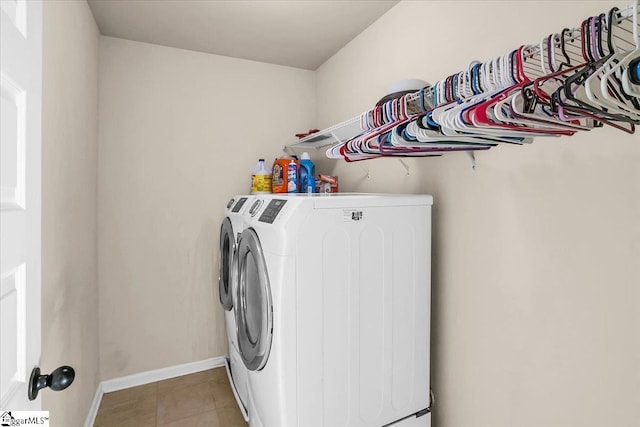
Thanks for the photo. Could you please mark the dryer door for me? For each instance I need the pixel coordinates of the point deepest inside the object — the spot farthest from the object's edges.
(254, 309)
(225, 263)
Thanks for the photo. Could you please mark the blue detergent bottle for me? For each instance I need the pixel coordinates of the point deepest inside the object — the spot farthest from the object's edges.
(307, 174)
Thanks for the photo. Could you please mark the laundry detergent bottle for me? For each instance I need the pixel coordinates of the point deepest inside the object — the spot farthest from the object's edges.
(307, 174)
(292, 177)
(261, 178)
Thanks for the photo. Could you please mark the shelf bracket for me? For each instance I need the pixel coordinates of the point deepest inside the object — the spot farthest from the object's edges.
(472, 154)
(288, 150)
(366, 171)
(405, 165)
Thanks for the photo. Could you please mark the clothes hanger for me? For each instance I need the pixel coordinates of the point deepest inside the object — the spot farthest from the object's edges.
(522, 107)
(516, 109)
(631, 77)
(452, 117)
(613, 70)
(604, 87)
(483, 115)
(567, 99)
(615, 53)
(544, 86)
(591, 46)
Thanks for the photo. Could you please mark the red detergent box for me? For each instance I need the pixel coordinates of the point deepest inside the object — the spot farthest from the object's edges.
(326, 184)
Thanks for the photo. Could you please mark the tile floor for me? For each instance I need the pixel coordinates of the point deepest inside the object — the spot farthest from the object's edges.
(203, 399)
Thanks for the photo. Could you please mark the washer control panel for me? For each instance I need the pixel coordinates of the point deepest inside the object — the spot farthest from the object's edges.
(238, 205)
(255, 207)
(272, 210)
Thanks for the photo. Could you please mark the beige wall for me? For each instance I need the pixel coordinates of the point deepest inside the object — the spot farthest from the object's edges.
(69, 206)
(535, 272)
(180, 132)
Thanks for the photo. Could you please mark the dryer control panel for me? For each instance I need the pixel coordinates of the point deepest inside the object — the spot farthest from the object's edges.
(272, 210)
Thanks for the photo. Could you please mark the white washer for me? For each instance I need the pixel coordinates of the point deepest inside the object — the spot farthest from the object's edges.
(333, 310)
(231, 227)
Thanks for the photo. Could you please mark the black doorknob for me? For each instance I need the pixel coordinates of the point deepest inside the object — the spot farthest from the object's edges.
(58, 380)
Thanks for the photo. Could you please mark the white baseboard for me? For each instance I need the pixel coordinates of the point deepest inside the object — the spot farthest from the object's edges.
(148, 377)
(93, 411)
(160, 374)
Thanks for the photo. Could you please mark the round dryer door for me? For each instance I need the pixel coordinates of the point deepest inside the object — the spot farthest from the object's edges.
(225, 264)
(254, 309)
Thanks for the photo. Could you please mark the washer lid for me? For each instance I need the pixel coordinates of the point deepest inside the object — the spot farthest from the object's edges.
(254, 309)
(225, 264)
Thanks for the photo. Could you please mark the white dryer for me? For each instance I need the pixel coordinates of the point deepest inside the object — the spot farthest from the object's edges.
(333, 310)
(231, 227)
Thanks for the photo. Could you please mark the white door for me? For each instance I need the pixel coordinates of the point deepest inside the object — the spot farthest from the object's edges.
(21, 82)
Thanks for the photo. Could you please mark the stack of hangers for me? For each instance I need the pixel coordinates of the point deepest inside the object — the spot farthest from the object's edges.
(575, 80)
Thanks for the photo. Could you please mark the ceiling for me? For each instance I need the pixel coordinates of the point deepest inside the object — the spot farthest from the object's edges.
(295, 33)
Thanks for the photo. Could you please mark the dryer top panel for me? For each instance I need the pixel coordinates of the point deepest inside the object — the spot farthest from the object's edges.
(343, 200)
(271, 208)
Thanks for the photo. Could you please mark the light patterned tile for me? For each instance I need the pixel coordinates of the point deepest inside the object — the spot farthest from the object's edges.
(117, 398)
(134, 413)
(197, 378)
(206, 419)
(223, 395)
(218, 375)
(231, 417)
(203, 399)
(181, 402)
